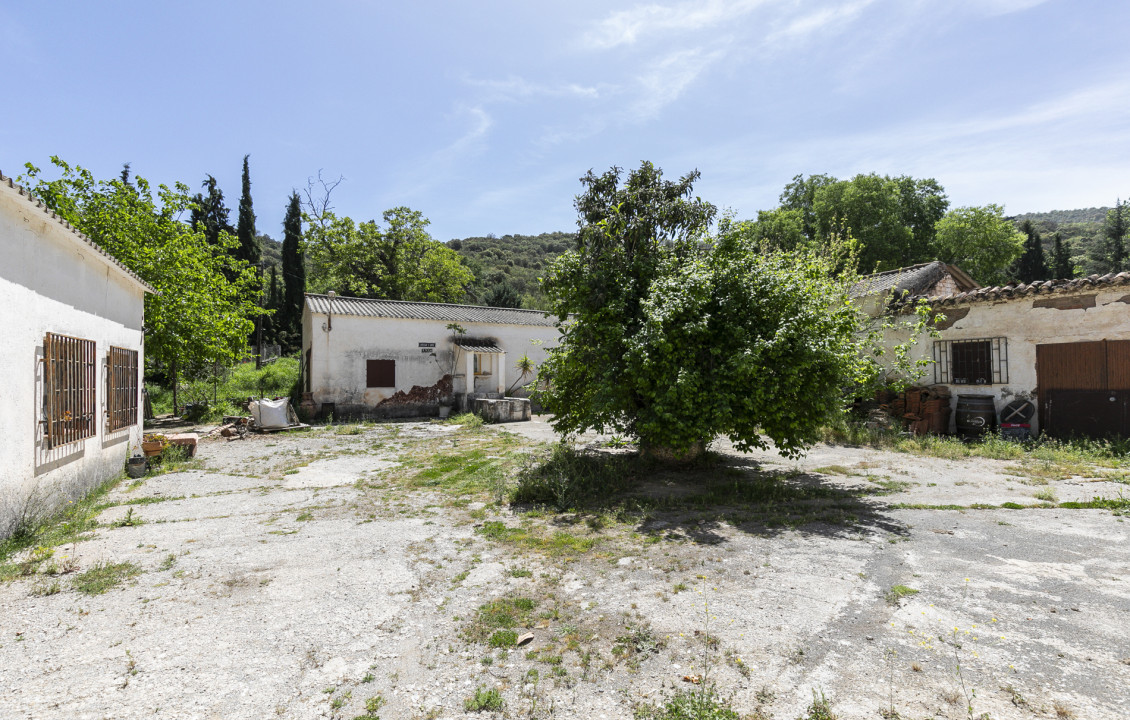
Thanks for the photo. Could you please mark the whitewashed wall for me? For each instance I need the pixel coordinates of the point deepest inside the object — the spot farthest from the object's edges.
(52, 281)
(338, 358)
(1026, 326)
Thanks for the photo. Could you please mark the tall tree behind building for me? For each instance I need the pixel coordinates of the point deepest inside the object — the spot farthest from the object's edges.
(1031, 265)
(1112, 250)
(1062, 267)
(248, 249)
(209, 214)
(289, 320)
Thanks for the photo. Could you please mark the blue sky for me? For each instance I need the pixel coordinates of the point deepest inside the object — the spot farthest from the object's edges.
(483, 115)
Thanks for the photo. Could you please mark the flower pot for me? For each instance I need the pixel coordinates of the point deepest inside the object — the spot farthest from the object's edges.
(444, 410)
(137, 466)
(152, 448)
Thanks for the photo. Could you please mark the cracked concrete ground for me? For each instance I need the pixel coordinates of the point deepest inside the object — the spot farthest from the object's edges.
(299, 575)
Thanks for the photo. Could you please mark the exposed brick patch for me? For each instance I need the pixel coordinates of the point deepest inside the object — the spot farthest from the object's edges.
(421, 395)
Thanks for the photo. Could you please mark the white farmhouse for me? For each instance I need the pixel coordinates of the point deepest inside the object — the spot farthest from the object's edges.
(387, 358)
(1061, 345)
(71, 360)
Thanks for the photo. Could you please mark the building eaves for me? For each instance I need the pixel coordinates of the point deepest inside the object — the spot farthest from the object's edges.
(1020, 291)
(446, 312)
(32, 200)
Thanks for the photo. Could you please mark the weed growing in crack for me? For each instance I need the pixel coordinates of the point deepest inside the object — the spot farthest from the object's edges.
(820, 708)
(484, 700)
(104, 576)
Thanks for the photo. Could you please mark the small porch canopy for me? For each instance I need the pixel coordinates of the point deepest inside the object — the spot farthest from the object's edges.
(474, 348)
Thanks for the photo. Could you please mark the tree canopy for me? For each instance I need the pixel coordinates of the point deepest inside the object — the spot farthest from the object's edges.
(198, 315)
(399, 262)
(673, 335)
(892, 218)
(979, 240)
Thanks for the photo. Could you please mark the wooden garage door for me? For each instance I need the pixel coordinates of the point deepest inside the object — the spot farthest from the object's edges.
(1084, 388)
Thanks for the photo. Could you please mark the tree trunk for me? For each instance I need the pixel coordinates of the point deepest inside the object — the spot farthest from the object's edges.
(669, 455)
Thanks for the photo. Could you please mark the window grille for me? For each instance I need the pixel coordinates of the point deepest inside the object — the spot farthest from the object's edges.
(121, 388)
(380, 373)
(69, 379)
(982, 361)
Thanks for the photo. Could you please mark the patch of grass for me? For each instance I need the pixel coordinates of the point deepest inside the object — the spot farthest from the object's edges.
(702, 704)
(520, 572)
(499, 614)
(1046, 494)
(891, 486)
(833, 470)
(467, 420)
(569, 479)
(305, 516)
(104, 576)
(556, 544)
(67, 525)
(484, 700)
(898, 592)
(502, 639)
(235, 385)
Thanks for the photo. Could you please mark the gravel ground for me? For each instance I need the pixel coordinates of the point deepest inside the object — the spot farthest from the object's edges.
(298, 575)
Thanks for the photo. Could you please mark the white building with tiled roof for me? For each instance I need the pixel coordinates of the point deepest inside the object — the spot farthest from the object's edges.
(71, 360)
(1063, 346)
(387, 358)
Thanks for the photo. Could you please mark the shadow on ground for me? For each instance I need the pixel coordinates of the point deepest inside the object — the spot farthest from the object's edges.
(694, 502)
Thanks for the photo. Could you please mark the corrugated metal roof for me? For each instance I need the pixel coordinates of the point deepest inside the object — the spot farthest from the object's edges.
(1016, 292)
(24, 192)
(338, 305)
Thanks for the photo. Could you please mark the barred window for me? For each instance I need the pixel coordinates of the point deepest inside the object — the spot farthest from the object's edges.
(121, 388)
(982, 361)
(69, 380)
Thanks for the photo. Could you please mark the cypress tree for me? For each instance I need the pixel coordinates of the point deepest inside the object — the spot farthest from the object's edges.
(248, 249)
(294, 273)
(1062, 266)
(209, 214)
(1114, 245)
(1031, 265)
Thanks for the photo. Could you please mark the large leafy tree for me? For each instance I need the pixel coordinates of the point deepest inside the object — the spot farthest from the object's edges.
(674, 337)
(979, 240)
(399, 262)
(289, 321)
(892, 218)
(198, 316)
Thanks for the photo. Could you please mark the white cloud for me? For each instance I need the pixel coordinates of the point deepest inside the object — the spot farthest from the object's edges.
(627, 26)
(1002, 7)
(1061, 152)
(832, 18)
(670, 77)
(515, 87)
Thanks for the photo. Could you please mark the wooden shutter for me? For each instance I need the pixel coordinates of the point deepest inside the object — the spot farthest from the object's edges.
(380, 373)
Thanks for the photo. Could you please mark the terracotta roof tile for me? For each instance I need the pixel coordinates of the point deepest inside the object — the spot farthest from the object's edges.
(1039, 287)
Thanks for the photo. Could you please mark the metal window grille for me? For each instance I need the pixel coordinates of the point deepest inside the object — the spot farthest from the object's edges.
(121, 389)
(981, 361)
(69, 379)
